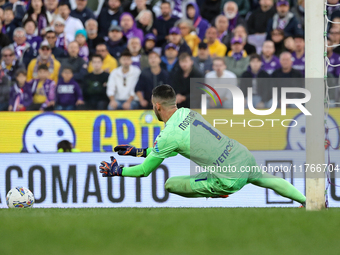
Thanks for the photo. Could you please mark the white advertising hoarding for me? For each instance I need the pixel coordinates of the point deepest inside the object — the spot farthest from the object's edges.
(73, 180)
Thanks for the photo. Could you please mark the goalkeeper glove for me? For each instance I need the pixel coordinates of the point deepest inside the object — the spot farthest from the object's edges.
(110, 169)
(128, 150)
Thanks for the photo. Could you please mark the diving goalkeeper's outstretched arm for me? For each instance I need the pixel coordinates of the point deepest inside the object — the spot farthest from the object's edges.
(149, 165)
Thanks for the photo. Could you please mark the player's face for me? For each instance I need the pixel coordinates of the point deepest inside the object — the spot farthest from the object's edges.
(154, 105)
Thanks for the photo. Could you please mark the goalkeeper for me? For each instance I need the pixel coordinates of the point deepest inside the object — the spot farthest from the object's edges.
(189, 134)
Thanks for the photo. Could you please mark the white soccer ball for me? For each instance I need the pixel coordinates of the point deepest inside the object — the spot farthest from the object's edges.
(19, 197)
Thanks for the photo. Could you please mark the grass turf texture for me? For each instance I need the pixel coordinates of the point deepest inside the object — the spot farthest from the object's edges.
(169, 231)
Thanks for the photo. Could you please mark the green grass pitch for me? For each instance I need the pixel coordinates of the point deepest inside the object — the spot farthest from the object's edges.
(169, 231)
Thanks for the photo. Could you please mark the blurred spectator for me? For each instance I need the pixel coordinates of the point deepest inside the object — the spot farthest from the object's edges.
(68, 92)
(164, 23)
(33, 40)
(57, 52)
(10, 23)
(45, 57)
(116, 43)
(237, 60)
(176, 38)
(216, 48)
(52, 7)
(21, 95)
(180, 79)
(334, 59)
(94, 90)
(81, 37)
(145, 21)
(93, 39)
(284, 20)
(59, 28)
(188, 33)
(333, 9)
(336, 23)
(299, 12)
(108, 16)
(5, 88)
(289, 44)
(193, 14)
(278, 37)
(66, 146)
(258, 20)
(121, 85)
(43, 90)
(150, 78)
(230, 10)
(221, 75)
(23, 50)
(203, 60)
(334, 36)
(286, 70)
(169, 60)
(222, 24)
(109, 62)
(4, 40)
(129, 27)
(269, 61)
(138, 6)
(299, 54)
(9, 63)
(75, 62)
(82, 12)
(240, 31)
(139, 58)
(37, 12)
(72, 25)
(211, 9)
(150, 44)
(242, 5)
(260, 88)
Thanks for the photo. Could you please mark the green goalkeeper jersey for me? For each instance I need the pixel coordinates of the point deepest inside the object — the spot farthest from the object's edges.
(189, 134)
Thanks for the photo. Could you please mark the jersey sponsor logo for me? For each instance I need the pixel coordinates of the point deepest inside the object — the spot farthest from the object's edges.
(224, 154)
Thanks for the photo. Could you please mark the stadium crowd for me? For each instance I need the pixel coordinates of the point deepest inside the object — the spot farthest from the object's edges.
(55, 57)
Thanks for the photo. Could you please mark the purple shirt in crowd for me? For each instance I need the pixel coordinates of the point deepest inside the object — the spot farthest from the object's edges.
(34, 41)
(334, 60)
(272, 65)
(67, 93)
(299, 63)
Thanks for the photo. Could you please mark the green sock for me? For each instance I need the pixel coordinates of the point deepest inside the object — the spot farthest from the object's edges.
(280, 186)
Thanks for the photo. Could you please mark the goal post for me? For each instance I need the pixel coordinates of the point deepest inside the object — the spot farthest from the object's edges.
(315, 127)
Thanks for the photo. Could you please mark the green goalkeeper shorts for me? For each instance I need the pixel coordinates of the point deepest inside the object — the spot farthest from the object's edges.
(225, 183)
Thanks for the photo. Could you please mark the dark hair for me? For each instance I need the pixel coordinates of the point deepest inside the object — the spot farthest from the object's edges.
(255, 56)
(164, 92)
(67, 67)
(30, 11)
(65, 145)
(50, 32)
(183, 56)
(43, 67)
(20, 71)
(63, 2)
(29, 19)
(166, 2)
(9, 9)
(97, 56)
(126, 53)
